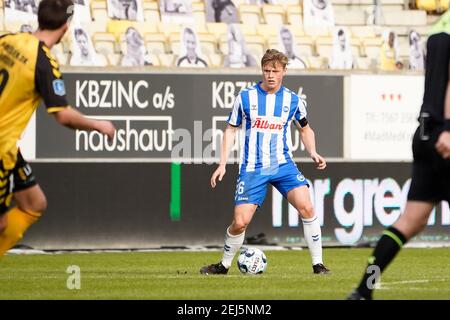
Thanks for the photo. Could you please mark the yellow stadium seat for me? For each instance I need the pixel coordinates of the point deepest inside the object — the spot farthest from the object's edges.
(372, 47)
(255, 45)
(117, 27)
(294, 15)
(273, 14)
(114, 59)
(324, 46)
(432, 5)
(198, 12)
(218, 29)
(216, 60)
(105, 43)
(250, 14)
(99, 11)
(155, 43)
(267, 31)
(151, 12)
(166, 60)
(208, 43)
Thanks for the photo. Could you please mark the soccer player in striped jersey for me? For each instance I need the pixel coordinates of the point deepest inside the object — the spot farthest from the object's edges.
(265, 112)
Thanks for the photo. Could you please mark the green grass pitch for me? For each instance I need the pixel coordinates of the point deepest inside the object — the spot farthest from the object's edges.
(415, 274)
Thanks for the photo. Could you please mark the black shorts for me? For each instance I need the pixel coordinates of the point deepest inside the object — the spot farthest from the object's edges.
(19, 178)
(431, 173)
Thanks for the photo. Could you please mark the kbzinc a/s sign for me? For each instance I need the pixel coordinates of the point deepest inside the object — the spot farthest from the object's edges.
(175, 116)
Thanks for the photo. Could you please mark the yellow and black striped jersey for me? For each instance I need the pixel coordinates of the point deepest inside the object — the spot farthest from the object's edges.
(28, 73)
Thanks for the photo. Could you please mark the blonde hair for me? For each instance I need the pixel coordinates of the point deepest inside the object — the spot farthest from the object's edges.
(273, 56)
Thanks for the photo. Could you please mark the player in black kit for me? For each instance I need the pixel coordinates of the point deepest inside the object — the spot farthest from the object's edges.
(430, 181)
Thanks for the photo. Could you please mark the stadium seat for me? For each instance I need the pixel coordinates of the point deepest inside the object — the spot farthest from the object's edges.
(145, 27)
(347, 16)
(405, 18)
(403, 47)
(362, 31)
(324, 47)
(216, 60)
(155, 43)
(305, 46)
(273, 14)
(432, 5)
(105, 43)
(364, 63)
(208, 43)
(169, 28)
(267, 31)
(256, 45)
(218, 29)
(250, 14)
(96, 26)
(151, 12)
(114, 59)
(318, 62)
(154, 59)
(166, 60)
(198, 12)
(248, 29)
(318, 31)
(371, 47)
(117, 27)
(294, 15)
(99, 11)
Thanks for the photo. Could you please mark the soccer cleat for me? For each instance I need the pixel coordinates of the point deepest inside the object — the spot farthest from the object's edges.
(355, 295)
(320, 269)
(216, 268)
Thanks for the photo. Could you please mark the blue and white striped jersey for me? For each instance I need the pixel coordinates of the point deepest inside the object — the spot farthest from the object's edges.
(266, 119)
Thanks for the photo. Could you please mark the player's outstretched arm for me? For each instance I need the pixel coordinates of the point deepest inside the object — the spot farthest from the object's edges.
(309, 140)
(227, 144)
(73, 119)
(443, 143)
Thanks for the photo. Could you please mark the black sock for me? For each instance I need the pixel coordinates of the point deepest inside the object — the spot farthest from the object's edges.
(385, 251)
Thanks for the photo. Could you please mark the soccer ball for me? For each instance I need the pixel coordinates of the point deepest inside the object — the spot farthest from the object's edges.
(252, 261)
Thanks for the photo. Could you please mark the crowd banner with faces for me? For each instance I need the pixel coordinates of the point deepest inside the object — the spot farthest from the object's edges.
(318, 13)
(136, 53)
(261, 2)
(190, 54)
(286, 43)
(389, 51)
(83, 51)
(125, 10)
(416, 51)
(81, 11)
(176, 11)
(342, 57)
(221, 11)
(238, 55)
(21, 10)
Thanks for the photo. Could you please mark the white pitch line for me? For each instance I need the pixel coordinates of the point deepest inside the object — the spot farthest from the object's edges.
(385, 285)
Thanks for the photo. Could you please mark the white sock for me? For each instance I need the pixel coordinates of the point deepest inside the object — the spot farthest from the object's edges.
(232, 245)
(313, 238)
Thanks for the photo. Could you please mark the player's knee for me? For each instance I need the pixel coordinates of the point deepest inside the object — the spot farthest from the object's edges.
(38, 204)
(238, 227)
(306, 211)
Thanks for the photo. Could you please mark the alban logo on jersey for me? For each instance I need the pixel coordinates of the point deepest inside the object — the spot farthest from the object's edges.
(266, 124)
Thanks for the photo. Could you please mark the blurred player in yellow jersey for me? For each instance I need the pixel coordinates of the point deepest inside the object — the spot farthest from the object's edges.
(29, 74)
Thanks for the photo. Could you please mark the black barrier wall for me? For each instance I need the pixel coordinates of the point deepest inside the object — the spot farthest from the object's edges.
(155, 113)
(141, 205)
